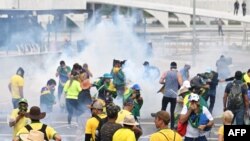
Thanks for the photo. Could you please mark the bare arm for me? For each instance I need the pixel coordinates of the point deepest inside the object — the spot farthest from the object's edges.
(210, 123)
(21, 91)
(9, 86)
(16, 139)
(220, 137)
(179, 78)
(225, 101)
(184, 118)
(13, 122)
(57, 137)
(162, 79)
(246, 102)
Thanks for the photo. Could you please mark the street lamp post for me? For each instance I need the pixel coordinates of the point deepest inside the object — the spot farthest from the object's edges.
(194, 33)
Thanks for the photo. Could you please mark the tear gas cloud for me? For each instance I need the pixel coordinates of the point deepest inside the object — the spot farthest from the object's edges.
(107, 41)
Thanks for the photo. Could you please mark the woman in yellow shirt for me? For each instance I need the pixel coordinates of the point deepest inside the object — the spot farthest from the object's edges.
(72, 88)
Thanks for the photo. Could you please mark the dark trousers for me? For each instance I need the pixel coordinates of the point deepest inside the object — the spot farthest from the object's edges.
(238, 116)
(236, 11)
(71, 105)
(244, 12)
(165, 101)
(220, 31)
(202, 138)
(211, 96)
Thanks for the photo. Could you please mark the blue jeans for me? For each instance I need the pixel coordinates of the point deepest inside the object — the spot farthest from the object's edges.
(71, 105)
(15, 102)
(202, 138)
(60, 91)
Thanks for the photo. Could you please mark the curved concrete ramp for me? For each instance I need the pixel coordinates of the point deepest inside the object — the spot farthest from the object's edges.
(175, 9)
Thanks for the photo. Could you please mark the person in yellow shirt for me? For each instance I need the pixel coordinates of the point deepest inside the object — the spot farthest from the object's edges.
(17, 119)
(246, 77)
(164, 133)
(126, 133)
(72, 88)
(36, 115)
(93, 123)
(127, 109)
(16, 86)
(227, 119)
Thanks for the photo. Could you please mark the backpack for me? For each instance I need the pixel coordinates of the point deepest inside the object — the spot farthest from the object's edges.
(43, 129)
(235, 97)
(102, 121)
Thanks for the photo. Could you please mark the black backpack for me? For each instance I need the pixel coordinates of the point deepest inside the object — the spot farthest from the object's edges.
(102, 121)
(235, 97)
(43, 129)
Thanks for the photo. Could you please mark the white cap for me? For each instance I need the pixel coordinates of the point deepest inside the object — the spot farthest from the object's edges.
(194, 97)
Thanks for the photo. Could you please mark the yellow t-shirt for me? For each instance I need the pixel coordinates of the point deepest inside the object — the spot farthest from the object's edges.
(124, 134)
(185, 100)
(20, 124)
(221, 130)
(246, 78)
(50, 132)
(169, 134)
(121, 115)
(92, 124)
(16, 81)
(72, 92)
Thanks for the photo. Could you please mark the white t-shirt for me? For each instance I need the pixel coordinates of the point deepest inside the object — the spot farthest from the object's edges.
(194, 132)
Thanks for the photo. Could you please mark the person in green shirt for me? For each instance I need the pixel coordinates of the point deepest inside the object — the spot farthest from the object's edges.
(105, 87)
(63, 72)
(138, 101)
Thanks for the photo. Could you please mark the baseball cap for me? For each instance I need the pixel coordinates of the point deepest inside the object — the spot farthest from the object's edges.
(162, 115)
(136, 87)
(194, 97)
(23, 100)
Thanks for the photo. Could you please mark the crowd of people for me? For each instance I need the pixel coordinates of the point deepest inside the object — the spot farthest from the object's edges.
(188, 98)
